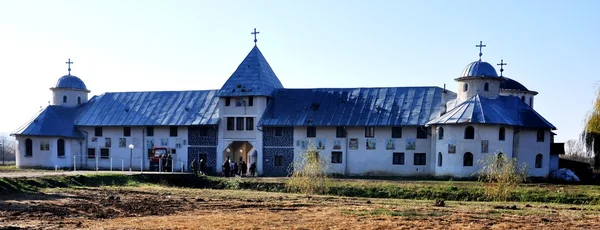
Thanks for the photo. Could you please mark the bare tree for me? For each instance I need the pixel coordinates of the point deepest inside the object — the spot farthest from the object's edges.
(575, 150)
(7, 148)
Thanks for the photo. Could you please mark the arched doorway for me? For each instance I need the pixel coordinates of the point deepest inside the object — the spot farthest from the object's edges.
(241, 152)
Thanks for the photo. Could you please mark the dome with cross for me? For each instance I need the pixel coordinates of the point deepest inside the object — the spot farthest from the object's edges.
(70, 82)
(479, 69)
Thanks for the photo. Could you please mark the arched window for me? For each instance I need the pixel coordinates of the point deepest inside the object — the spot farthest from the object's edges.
(540, 135)
(79, 100)
(523, 98)
(28, 147)
(502, 134)
(440, 159)
(440, 133)
(486, 87)
(468, 159)
(470, 132)
(538, 160)
(65, 99)
(465, 87)
(60, 144)
(531, 102)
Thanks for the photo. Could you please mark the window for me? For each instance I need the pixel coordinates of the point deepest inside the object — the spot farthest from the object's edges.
(439, 159)
(249, 123)
(468, 159)
(420, 159)
(60, 145)
(440, 133)
(540, 135)
(336, 157)
(340, 131)
(230, 123)
(465, 87)
(28, 147)
(150, 131)
(523, 98)
(531, 102)
(173, 131)
(239, 123)
(538, 161)
(398, 159)
(173, 151)
(91, 153)
(250, 101)
(502, 134)
(227, 101)
(79, 100)
(421, 132)
(486, 87)
(126, 131)
(278, 160)
(469, 132)
(104, 153)
(65, 99)
(311, 131)
(238, 102)
(278, 131)
(369, 131)
(98, 131)
(396, 132)
(203, 131)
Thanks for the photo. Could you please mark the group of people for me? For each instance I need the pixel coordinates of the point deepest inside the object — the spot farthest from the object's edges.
(230, 168)
(202, 167)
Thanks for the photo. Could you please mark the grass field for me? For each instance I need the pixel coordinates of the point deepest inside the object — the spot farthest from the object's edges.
(125, 202)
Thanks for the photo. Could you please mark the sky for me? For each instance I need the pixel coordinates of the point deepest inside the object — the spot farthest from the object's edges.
(550, 46)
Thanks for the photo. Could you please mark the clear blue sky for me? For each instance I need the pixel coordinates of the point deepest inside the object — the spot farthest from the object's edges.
(550, 46)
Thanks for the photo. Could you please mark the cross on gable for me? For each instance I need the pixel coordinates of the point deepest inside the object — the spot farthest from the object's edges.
(480, 46)
(255, 33)
(69, 64)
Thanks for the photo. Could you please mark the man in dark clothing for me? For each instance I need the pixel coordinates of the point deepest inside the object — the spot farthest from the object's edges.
(194, 166)
(202, 166)
(253, 169)
(226, 167)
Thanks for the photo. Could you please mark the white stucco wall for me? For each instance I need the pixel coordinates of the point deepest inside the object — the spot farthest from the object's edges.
(452, 163)
(57, 97)
(476, 86)
(370, 162)
(528, 96)
(46, 158)
(529, 147)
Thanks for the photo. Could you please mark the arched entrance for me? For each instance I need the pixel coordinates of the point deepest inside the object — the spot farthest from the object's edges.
(241, 152)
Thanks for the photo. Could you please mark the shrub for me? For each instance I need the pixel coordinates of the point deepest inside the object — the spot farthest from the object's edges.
(502, 175)
(309, 174)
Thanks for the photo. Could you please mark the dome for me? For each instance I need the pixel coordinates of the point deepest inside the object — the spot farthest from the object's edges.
(479, 69)
(511, 84)
(70, 82)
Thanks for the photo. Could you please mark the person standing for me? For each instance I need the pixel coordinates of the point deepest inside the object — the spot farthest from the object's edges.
(226, 167)
(202, 167)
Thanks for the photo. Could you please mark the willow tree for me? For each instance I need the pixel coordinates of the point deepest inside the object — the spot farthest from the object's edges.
(591, 132)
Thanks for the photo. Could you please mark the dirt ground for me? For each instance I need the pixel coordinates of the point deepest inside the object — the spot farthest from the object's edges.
(156, 207)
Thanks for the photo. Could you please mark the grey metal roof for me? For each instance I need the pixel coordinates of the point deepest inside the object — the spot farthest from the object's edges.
(504, 110)
(70, 82)
(479, 69)
(158, 108)
(353, 106)
(55, 121)
(253, 77)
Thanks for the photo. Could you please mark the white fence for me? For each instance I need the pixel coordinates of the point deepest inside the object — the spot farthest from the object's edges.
(131, 164)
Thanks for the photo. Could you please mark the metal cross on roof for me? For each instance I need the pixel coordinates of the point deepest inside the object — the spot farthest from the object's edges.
(481, 45)
(501, 64)
(255, 33)
(69, 64)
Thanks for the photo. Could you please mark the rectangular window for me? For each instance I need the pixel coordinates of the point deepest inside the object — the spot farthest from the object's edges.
(250, 101)
(420, 159)
(336, 157)
(396, 132)
(104, 153)
(238, 102)
(173, 151)
(173, 131)
(398, 159)
(311, 131)
(230, 123)
(98, 131)
(227, 101)
(340, 132)
(150, 131)
(127, 131)
(421, 132)
(278, 160)
(369, 131)
(239, 123)
(249, 123)
(540, 135)
(91, 153)
(278, 131)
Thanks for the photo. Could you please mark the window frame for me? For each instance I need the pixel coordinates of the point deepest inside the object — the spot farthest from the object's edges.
(278, 131)
(79, 100)
(396, 131)
(439, 160)
(440, 133)
(278, 160)
(249, 123)
(340, 132)
(102, 151)
(539, 161)
(250, 100)
(369, 131)
(98, 131)
(126, 131)
(486, 87)
(230, 123)
(60, 147)
(398, 158)
(150, 131)
(173, 131)
(64, 98)
(465, 87)
(337, 157)
(227, 101)
(472, 134)
(91, 150)
(468, 162)
(420, 159)
(28, 147)
(422, 132)
(502, 134)
(311, 131)
(540, 135)
(239, 124)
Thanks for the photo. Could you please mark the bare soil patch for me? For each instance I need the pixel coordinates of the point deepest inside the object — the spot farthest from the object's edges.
(155, 207)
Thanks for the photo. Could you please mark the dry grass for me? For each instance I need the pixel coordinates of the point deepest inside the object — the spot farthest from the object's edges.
(237, 209)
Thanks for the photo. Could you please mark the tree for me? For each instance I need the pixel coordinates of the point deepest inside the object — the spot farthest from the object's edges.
(575, 150)
(7, 148)
(591, 132)
(309, 173)
(501, 175)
